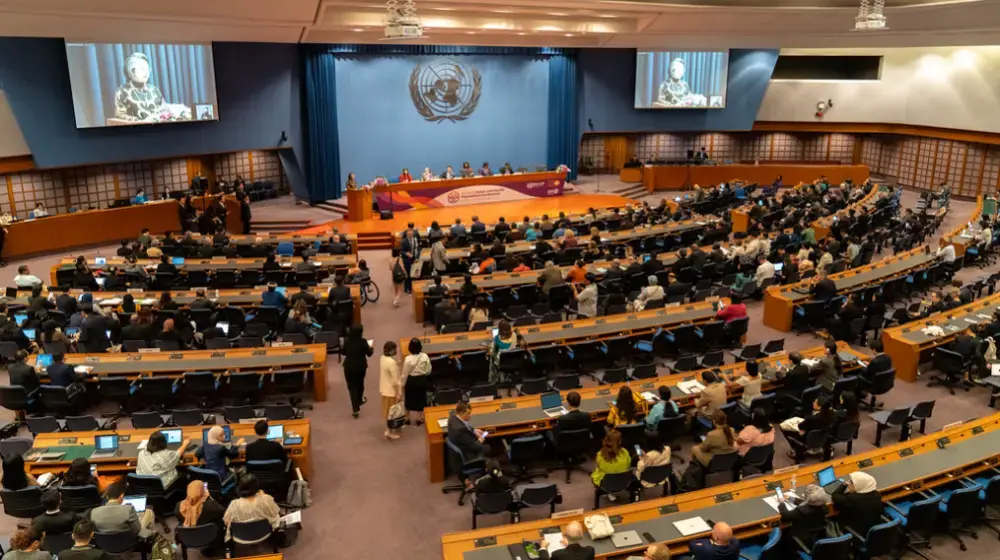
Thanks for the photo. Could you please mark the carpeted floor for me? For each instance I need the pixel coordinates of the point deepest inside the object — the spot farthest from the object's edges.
(371, 497)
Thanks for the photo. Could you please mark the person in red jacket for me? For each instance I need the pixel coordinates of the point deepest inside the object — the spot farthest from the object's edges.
(735, 310)
(405, 176)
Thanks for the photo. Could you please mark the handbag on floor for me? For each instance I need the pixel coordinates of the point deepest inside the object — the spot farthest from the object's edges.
(396, 416)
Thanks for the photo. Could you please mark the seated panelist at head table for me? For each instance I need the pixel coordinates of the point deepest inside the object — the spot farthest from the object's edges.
(405, 176)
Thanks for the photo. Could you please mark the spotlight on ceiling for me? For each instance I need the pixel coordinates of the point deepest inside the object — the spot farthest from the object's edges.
(870, 16)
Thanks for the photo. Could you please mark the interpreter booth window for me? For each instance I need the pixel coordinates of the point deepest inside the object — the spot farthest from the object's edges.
(947, 162)
(135, 176)
(231, 166)
(908, 161)
(724, 148)
(266, 166)
(33, 187)
(991, 171)
(842, 148)
(171, 175)
(925, 163)
(969, 185)
(89, 187)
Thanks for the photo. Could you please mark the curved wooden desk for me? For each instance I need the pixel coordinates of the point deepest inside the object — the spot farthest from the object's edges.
(906, 343)
(972, 448)
(780, 301)
(673, 177)
(521, 415)
(81, 444)
(958, 236)
(298, 239)
(469, 190)
(96, 227)
(309, 358)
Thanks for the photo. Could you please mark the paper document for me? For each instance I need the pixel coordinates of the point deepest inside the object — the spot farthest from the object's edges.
(292, 518)
(692, 526)
(809, 362)
(147, 301)
(649, 396)
(772, 501)
(995, 369)
(690, 387)
(111, 301)
(552, 542)
(142, 444)
(84, 370)
(973, 321)
(443, 423)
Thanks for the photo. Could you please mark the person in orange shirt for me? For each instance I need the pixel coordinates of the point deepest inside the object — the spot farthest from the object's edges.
(405, 176)
(524, 266)
(577, 274)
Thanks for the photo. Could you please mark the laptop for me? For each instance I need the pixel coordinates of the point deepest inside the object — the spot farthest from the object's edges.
(174, 437)
(138, 503)
(552, 404)
(30, 333)
(43, 360)
(227, 434)
(276, 433)
(105, 447)
(100, 281)
(627, 539)
(11, 293)
(778, 266)
(20, 319)
(100, 261)
(224, 326)
(280, 290)
(828, 480)
(177, 261)
(72, 331)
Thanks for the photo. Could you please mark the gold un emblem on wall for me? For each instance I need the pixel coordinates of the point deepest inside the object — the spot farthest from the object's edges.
(445, 90)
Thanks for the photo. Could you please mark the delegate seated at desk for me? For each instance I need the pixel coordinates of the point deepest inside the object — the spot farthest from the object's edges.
(22, 374)
(115, 516)
(264, 449)
(273, 298)
(54, 521)
(572, 549)
(462, 435)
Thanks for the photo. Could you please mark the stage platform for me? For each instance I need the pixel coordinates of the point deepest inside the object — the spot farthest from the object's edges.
(377, 234)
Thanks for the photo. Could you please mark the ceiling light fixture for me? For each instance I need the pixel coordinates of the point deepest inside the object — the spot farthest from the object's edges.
(569, 34)
(503, 11)
(870, 16)
(357, 29)
(608, 16)
(444, 9)
(560, 14)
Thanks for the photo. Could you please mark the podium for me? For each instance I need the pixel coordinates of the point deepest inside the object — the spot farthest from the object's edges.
(359, 205)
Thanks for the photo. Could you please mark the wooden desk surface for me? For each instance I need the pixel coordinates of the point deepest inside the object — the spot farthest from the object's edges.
(656, 177)
(579, 330)
(866, 205)
(309, 357)
(779, 301)
(519, 415)
(96, 227)
(907, 342)
(83, 446)
(466, 181)
(957, 236)
(925, 466)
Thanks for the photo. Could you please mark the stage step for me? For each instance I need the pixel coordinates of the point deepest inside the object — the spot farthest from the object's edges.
(374, 240)
(278, 226)
(631, 191)
(333, 207)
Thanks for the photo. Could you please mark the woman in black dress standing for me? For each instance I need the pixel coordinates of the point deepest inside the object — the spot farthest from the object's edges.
(356, 353)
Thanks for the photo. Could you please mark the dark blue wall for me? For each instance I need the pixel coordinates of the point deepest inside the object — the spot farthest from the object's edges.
(258, 88)
(606, 80)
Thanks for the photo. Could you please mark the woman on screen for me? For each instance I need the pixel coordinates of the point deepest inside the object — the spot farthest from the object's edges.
(675, 92)
(137, 100)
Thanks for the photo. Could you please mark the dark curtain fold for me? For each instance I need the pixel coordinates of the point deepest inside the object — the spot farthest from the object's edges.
(564, 130)
(323, 160)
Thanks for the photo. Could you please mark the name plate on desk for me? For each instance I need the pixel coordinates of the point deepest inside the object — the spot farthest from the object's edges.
(943, 442)
(668, 509)
(134, 357)
(281, 344)
(462, 337)
(124, 438)
(485, 541)
(149, 350)
(567, 325)
(601, 321)
(977, 430)
(632, 317)
(615, 519)
(560, 515)
(905, 452)
(534, 330)
(487, 398)
(725, 497)
(773, 485)
(218, 354)
(865, 463)
(134, 291)
(602, 392)
(259, 353)
(507, 405)
(176, 356)
(92, 360)
(67, 440)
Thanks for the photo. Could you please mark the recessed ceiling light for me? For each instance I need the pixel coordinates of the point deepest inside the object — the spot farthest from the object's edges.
(444, 9)
(609, 16)
(569, 34)
(557, 14)
(470, 32)
(503, 11)
(522, 33)
(358, 29)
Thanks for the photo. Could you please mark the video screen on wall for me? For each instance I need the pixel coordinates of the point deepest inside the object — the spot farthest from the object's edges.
(122, 84)
(681, 79)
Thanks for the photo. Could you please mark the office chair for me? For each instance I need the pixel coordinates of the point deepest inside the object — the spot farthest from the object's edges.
(878, 384)
(202, 387)
(493, 504)
(952, 365)
(537, 495)
(87, 424)
(572, 447)
(757, 460)
(18, 445)
(632, 435)
(22, 504)
(671, 429)
(189, 417)
(885, 419)
(920, 413)
(533, 386)
(448, 396)
(835, 548)
(566, 382)
(464, 469)
(768, 551)
(17, 400)
(161, 392)
(198, 537)
(116, 543)
(218, 488)
(80, 498)
(274, 475)
(248, 534)
(748, 352)
(236, 414)
(643, 371)
(845, 432)
(280, 412)
(721, 469)
(882, 540)
(43, 425)
(55, 544)
(960, 509)
(613, 375)
(658, 476)
(118, 390)
(814, 440)
(614, 484)
(61, 400)
(245, 387)
(290, 384)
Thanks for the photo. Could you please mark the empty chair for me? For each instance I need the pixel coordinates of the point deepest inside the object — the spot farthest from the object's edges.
(236, 414)
(43, 425)
(878, 384)
(524, 450)
(245, 387)
(920, 413)
(749, 352)
(22, 504)
(198, 537)
(881, 540)
(572, 448)
(721, 469)
(495, 503)
(187, 417)
(885, 419)
(770, 550)
(538, 495)
(146, 420)
(83, 424)
(614, 484)
(533, 386)
(774, 346)
(161, 391)
(828, 549)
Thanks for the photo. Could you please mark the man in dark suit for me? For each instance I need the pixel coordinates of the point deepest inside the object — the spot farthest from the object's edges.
(824, 289)
(574, 419)
(635, 267)
(573, 549)
(171, 333)
(53, 521)
(93, 331)
(303, 294)
(614, 271)
(200, 301)
(880, 361)
(339, 292)
(501, 227)
(462, 435)
(165, 265)
(62, 374)
(264, 449)
(681, 263)
(21, 373)
(476, 225)
(65, 302)
(135, 330)
(698, 257)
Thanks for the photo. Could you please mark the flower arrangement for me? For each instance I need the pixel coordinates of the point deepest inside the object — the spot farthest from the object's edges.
(563, 168)
(173, 112)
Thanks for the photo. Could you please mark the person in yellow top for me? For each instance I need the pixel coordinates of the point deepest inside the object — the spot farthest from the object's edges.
(611, 459)
(629, 407)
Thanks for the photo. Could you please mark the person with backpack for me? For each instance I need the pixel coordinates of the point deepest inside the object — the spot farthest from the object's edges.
(398, 269)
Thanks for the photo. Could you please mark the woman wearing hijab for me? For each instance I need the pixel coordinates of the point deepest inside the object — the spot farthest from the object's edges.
(198, 508)
(808, 517)
(356, 353)
(215, 451)
(859, 503)
(14, 475)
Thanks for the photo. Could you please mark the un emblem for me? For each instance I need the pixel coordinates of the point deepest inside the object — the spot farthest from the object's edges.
(445, 90)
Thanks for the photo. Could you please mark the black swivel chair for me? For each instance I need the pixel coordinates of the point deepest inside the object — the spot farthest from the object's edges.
(22, 504)
(953, 367)
(117, 543)
(274, 475)
(147, 420)
(80, 498)
(247, 534)
(465, 469)
(198, 537)
(161, 502)
(878, 384)
(572, 447)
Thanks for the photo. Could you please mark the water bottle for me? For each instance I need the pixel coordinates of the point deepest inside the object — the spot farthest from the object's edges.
(793, 483)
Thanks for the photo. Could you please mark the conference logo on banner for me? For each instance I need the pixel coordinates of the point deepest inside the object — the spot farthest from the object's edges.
(445, 89)
(482, 194)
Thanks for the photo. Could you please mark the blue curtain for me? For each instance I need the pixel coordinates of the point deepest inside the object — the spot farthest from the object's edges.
(705, 73)
(323, 160)
(184, 73)
(564, 129)
(428, 50)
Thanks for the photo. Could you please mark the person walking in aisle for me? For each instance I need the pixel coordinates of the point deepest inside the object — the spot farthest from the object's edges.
(416, 368)
(356, 353)
(390, 384)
